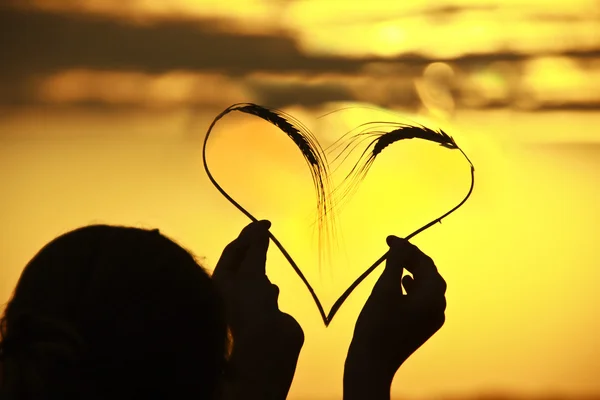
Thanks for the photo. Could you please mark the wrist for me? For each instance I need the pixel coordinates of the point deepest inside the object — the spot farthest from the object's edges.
(366, 379)
(362, 387)
(242, 383)
(253, 375)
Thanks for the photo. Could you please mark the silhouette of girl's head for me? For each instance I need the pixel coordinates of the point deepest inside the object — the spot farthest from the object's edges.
(106, 312)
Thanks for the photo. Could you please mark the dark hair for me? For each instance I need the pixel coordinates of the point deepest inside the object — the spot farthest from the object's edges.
(113, 312)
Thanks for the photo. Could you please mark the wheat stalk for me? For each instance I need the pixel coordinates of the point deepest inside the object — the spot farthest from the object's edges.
(315, 158)
(358, 173)
(317, 161)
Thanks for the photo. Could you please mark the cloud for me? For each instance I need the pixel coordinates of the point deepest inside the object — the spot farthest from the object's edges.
(298, 94)
(138, 89)
(45, 51)
(254, 14)
(40, 43)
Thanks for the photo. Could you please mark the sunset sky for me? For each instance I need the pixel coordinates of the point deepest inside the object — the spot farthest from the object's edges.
(104, 106)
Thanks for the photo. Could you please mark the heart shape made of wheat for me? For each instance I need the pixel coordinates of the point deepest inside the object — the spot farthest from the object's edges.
(315, 157)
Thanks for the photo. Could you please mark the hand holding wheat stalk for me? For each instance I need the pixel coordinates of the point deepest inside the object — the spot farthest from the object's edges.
(381, 140)
(315, 158)
(317, 161)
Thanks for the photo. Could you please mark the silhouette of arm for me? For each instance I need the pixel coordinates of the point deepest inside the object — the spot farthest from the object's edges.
(266, 341)
(391, 325)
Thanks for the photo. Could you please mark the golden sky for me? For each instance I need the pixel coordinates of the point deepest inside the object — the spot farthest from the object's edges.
(103, 109)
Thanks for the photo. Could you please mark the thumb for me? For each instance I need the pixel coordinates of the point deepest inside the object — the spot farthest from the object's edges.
(255, 260)
(233, 255)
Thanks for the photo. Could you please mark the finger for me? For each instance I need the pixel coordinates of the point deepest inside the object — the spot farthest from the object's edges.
(255, 260)
(275, 292)
(426, 278)
(408, 283)
(234, 253)
(415, 261)
(391, 277)
(266, 295)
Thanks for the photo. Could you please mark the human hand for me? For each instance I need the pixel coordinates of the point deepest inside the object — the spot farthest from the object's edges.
(392, 326)
(266, 341)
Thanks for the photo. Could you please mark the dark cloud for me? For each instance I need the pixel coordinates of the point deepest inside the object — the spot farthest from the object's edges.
(446, 12)
(16, 91)
(592, 106)
(37, 42)
(307, 95)
(550, 17)
(34, 42)
(572, 153)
